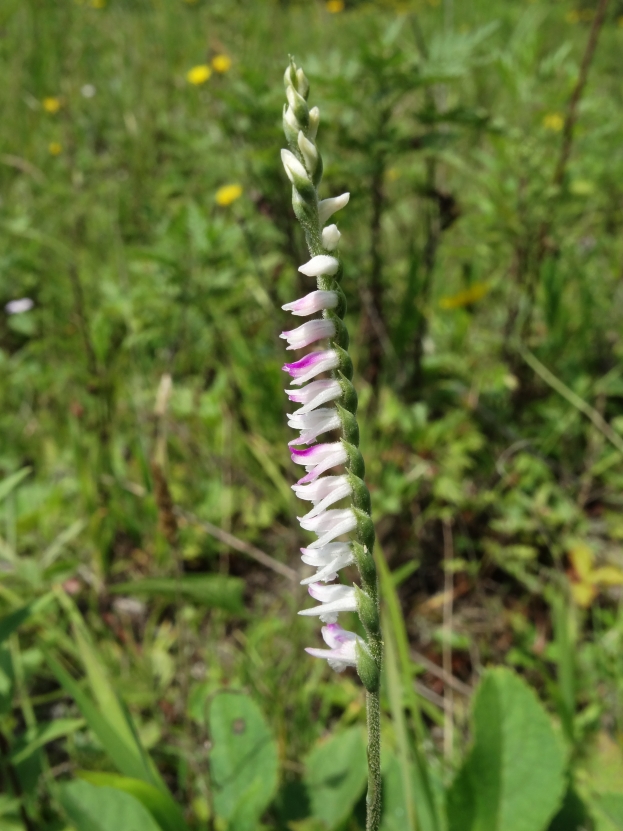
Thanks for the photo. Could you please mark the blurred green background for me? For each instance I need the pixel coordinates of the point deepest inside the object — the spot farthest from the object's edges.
(148, 534)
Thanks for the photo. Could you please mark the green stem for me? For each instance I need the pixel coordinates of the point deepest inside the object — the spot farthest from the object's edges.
(373, 798)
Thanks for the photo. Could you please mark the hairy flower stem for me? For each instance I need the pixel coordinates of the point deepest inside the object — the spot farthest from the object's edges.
(303, 166)
(373, 797)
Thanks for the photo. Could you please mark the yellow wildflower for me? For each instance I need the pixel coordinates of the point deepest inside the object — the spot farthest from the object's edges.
(98, 4)
(221, 63)
(573, 16)
(586, 580)
(55, 148)
(620, 22)
(51, 105)
(553, 121)
(198, 74)
(228, 194)
(465, 297)
(335, 6)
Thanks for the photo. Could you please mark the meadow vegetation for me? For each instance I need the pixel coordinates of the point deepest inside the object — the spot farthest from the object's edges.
(152, 672)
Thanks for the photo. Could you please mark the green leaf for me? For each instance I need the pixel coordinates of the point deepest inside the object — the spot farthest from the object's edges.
(335, 776)
(164, 810)
(40, 735)
(243, 761)
(105, 696)
(513, 778)
(7, 680)
(91, 808)
(127, 758)
(396, 802)
(611, 804)
(11, 622)
(11, 482)
(218, 591)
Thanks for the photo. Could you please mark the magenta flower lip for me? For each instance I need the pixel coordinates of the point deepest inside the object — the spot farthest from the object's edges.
(303, 363)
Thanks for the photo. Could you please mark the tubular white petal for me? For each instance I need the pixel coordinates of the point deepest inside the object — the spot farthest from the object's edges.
(330, 237)
(321, 264)
(339, 493)
(330, 524)
(320, 557)
(314, 471)
(329, 570)
(327, 207)
(294, 169)
(334, 599)
(314, 424)
(315, 301)
(322, 392)
(311, 365)
(308, 333)
(328, 520)
(317, 490)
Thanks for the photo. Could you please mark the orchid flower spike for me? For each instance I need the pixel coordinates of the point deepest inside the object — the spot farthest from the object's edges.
(340, 512)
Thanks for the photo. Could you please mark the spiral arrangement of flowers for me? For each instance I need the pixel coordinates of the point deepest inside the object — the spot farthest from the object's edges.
(322, 385)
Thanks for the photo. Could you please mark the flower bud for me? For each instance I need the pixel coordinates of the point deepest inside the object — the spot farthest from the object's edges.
(291, 126)
(330, 237)
(302, 84)
(314, 121)
(299, 106)
(295, 171)
(308, 151)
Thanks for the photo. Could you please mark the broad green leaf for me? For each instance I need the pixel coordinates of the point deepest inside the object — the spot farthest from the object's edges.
(164, 810)
(91, 808)
(611, 804)
(7, 680)
(243, 760)
(126, 757)
(11, 482)
(335, 776)
(43, 733)
(513, 778)
(395, 816)
(11, 622)
(218, 591)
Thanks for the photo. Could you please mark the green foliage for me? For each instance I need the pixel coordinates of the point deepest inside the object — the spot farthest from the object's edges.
(92, 808)
(335, 776)
(243, 760)
(166, 813)
(467, 268)
(213, 590)
(513, 778)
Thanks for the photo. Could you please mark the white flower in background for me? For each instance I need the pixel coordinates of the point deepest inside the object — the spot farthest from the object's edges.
(16, 307)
